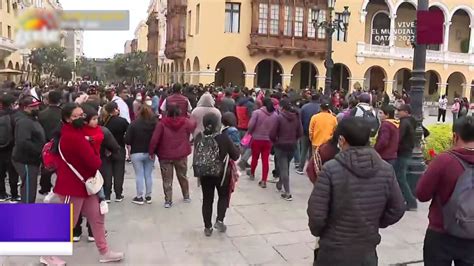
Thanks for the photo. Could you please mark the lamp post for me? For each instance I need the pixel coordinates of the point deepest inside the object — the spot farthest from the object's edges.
(330, 26)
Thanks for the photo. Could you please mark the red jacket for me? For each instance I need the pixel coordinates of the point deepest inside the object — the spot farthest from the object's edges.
(79, 153)
(96, 136)
(388, 139)
(438, 182)
(243, 117)
(181, 101)
(170, 140)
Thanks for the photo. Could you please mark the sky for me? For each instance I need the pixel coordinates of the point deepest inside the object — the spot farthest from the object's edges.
(102, 44)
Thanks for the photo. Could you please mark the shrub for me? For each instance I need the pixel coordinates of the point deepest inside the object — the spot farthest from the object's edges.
(440, 140)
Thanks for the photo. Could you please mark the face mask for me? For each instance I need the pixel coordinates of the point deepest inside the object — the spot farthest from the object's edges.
(35, 112)
(78, 123)
(148, 103)
(139, 98)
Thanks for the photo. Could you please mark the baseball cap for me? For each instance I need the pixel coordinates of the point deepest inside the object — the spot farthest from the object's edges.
(405, 107)
(30, 101)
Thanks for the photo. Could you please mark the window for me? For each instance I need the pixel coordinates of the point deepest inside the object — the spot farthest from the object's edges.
(198, 12)
(311, 29)
(299, 19)
(189, 23)
(339, 34)
(288, 31)
(232, 17)
(9, 32)
(274, 19)
(8, 6)
(263, 18)
(322, 30)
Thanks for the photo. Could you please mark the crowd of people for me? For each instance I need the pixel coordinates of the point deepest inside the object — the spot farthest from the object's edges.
(86, 135)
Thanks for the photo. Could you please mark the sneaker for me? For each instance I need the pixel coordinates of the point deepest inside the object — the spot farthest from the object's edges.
(52, 261)
(299, 172)
(242, 165)
(119, 198)
(43, 192)
(262, 184)
(168, 205)
(90, 239)
(107, 199)
(104, 207)
(274, 180)
(187, 200)
(111, 256)
(76, 238)
(4, 198)
(16, 199)
(297, 165)
(148, 200)
(220, 226)
(208, 232)
(287, 197)
(138, 200)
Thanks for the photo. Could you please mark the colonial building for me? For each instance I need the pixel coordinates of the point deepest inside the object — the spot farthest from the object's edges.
(268, 42)
(156, 23)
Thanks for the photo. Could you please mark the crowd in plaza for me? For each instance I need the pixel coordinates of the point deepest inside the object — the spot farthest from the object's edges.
(85, 134)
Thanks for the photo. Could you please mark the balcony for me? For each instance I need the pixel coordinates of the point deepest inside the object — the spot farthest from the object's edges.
(175, 50)
(278, 45)
(366, 50)
(7, 46)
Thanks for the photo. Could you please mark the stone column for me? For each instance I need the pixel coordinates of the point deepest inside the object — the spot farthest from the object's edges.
(392, 30)
(447, 25)
(353, 81)
(250, 80)
(285, 81)
(320, 82)
(389, 87)
(471, 41)
(442, 88)
(466, 90)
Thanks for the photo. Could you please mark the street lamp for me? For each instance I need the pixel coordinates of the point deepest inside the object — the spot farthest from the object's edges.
(330, 26)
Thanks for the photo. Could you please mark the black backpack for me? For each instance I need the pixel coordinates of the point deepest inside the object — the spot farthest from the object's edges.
(6, 131)
(371, 119)
(206, 160)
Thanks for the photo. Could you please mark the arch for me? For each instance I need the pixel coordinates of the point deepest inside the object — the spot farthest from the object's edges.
(188, 71)
(402, 80)
(443, 8)
(465, 8)
(196, 70)
(10, 64)
(28, 68)
(389, 4)
(375, 78)
(433, 78)
(268, 73)
(406, 12)
(375, 9)
(2, 64)
(445, 11)
(172, 67)
(230, 69)
(181, 72)
(23, 68)
(455, 82)
(400, 2)
(340, 77)
(17, 66)
(188, 65)
(303, 75)
(459, 30)
(382, 28)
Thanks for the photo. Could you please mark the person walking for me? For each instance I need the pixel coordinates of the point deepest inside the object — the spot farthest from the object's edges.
(228, 103)
(355, 194)
(78, 152)
(307, 112)
(113, 168)
(177, 98)
(261, 122)
(170, 142)
(322, 126)
(212, 182)
(442, 106)
(205, 106)
(441, 184)
(29, 141)
(138, 136)
(388, 137)
(244, 109)
(122, 107)
(455, 108)
(405, 153)
(285, 134)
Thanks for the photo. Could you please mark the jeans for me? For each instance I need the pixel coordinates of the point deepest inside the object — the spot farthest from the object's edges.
(6, 167)
(283, 159)
(263, 148)
(45, 180)
(401, 168)
(181, 167)
(455, 117)
(336, 258)
(29, 181)
(297, 154)
(246, 155)
(306, 148)
(209, 184)
(442, 114)
(441, 249)
(113, 172)
(143, 166)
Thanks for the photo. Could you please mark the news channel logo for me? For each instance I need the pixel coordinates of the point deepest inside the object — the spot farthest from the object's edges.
(39, 27)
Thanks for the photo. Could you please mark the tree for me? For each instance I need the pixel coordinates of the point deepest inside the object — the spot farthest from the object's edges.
(86, 67)
(47, 60)
(64, 70)
(134, 66)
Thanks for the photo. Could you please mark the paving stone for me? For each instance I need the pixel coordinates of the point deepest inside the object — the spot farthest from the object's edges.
(296, 254)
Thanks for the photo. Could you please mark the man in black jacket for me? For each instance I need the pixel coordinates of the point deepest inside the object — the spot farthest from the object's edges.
(29, 142)
(405, 152)
(355, 194)
(50, 120)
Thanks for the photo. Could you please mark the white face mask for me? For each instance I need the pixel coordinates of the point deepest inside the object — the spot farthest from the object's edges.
(148, 102)
(139, 98)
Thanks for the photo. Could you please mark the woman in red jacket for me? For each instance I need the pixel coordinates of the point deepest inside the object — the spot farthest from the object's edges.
(78, 152)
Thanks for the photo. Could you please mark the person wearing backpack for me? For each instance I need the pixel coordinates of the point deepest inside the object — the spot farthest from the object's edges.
(211, 152)
(7, 127)
(170, 142)
(365, 110)
(448, 184)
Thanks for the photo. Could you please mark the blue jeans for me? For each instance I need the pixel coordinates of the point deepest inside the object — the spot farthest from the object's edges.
(401, 168)
(143, 166)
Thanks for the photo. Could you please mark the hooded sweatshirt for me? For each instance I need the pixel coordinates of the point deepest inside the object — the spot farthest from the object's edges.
(170, 140)
(355, 194)
(438, 182)
(205, 106)
(407, 136)
(287, 131)
(261, 123)
(387, 139)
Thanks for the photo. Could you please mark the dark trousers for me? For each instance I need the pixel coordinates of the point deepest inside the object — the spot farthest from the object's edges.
(113, 171)
(441, 249)
(442, 114)
(333, 258)
(209, 184)
(401, 169)
(305, 148)
(6, 167)
(282, 160)
(45, 180)
(29, 181)
(78, 227)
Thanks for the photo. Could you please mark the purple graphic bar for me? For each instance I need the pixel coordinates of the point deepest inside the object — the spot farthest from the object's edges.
(35, 223)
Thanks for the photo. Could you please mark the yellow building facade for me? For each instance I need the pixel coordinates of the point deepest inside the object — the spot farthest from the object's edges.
(265, 43)
(141, 33)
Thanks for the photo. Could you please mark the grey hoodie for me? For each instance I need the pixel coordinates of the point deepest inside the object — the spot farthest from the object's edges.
(205, 106)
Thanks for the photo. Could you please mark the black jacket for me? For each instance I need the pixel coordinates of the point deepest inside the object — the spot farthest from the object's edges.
(50, 120)
(407, 136)
(139, 135)
(109, 147)
(355, 194)
(29, 139)
(118, 126)
(12, 113)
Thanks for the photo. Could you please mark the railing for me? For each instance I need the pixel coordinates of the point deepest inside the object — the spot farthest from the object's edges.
(7, 44)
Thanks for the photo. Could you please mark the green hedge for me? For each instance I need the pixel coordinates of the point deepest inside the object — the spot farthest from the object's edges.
(440, 139)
